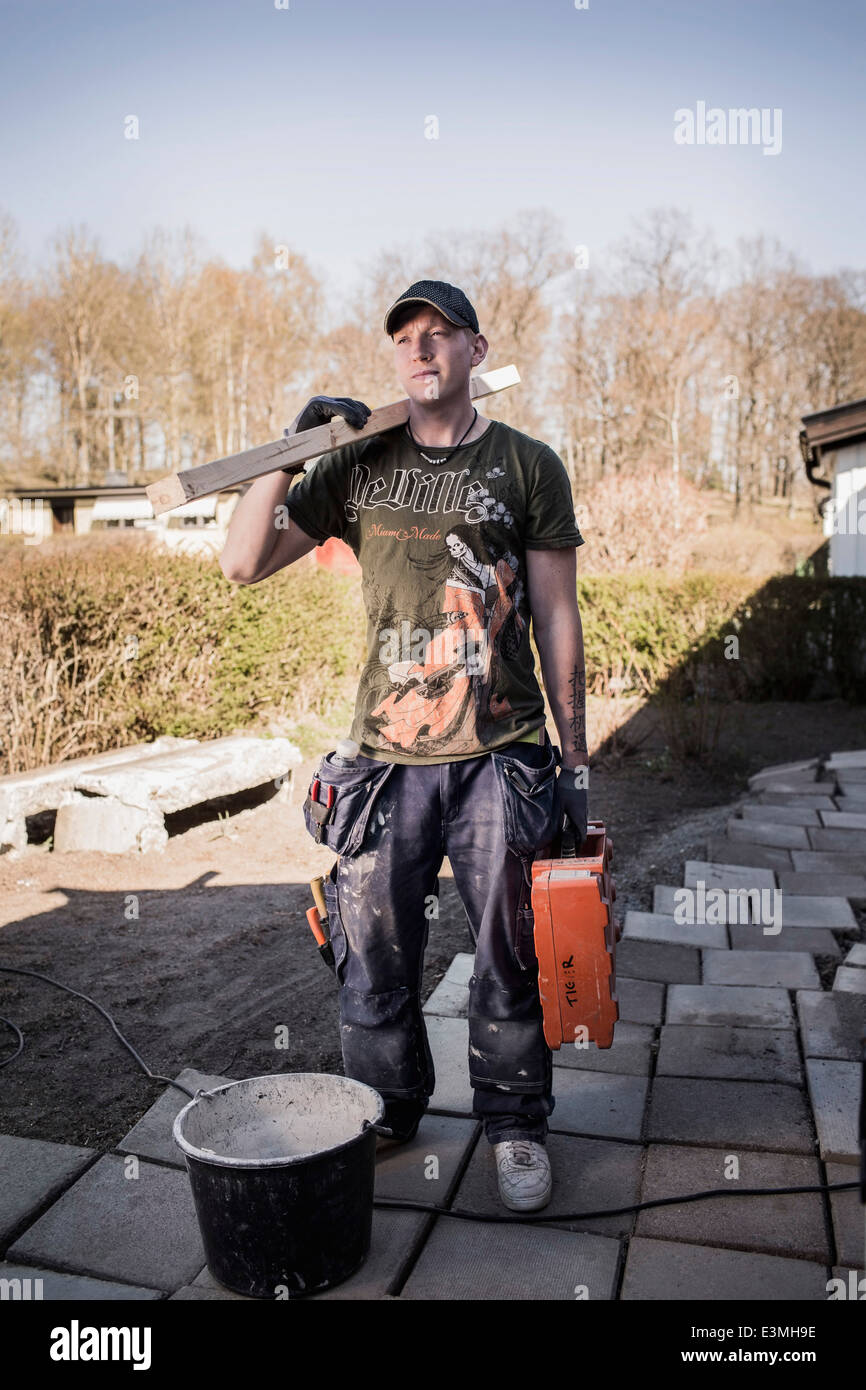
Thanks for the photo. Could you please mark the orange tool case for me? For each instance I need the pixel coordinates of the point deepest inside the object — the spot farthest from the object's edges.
(575, 941)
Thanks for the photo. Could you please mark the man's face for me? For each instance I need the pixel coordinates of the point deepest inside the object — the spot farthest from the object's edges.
(434, 356)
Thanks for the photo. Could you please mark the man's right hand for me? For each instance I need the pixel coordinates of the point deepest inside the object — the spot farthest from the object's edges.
(320, 409)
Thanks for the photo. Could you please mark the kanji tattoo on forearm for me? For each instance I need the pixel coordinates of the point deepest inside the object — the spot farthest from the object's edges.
(577, 711)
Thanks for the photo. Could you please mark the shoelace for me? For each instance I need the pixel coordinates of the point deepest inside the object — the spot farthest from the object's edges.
(519, 1151)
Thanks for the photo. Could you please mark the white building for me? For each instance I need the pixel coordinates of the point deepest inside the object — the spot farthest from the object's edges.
(833, 444)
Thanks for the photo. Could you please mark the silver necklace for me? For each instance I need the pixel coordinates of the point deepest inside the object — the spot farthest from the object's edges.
(426, 457)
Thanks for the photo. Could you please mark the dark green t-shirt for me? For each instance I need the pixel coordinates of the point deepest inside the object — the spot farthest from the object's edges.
(442, 547)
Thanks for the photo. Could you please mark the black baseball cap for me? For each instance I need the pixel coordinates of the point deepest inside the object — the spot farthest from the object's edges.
(448, 299)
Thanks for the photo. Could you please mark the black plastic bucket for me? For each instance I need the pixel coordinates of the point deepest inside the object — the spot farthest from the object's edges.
(282, 1171)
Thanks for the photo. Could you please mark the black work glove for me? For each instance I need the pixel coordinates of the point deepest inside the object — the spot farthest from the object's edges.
(571, 805)
(320, 409)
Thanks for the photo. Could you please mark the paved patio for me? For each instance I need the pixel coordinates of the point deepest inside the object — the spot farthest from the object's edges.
(729, 1051)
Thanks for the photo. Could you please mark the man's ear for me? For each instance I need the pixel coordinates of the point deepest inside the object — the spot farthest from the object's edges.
(480, 350)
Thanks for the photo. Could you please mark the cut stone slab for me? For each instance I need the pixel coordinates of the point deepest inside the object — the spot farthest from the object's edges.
(136, 1230)
(672, 1270)
(850, 979)
(780, 815)
(824, 861)
(857, 954)
(778, 970)
(807, 770)
(834, 1089)
(818, 941)
(449, 1045)
(598, 1103)
(830, 885)
(838, 840)
(34, 1172)
(848, 1217)
(793, 785)
(850, 800)
(726, 875)
(406, 1172)
(810, 802)
(722, 850)
(843, 820)
(448, 1000)
(656, 960)
(754, 1114)
(851, 776)
(151, 1137)
(588, 1175)
(768, 832)
(741, 1006)
(854, 757)
(630, 1053)
(465, 1260)
(802, 911)
(460, 970)
(74, 1287)
(640, 1001)
(723, 1052)
(791, 1224)
(653, 926)
(822, 1029)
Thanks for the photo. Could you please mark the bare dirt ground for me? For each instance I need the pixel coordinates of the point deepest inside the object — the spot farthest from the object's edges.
(220, 956)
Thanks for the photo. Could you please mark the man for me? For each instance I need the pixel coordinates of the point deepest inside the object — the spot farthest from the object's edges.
(464, 529)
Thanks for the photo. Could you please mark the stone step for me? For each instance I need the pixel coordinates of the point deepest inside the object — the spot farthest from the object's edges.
(800, 801)
(855, 757)
(805, 771)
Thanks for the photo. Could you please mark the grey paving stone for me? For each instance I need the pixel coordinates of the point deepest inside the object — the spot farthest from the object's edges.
(406, 1171)
(816, 940)
(843, 820)
(653, 926)
(767, 832)
(588, 1175)
(151, 1137)
(754, 1114)
(794, 785)
(790, 1224)
(834, 1090)
(640, 1001)
(822, 1030)
(838, 840)
(850, 800)
(469, 1260)
(34, 1172)
(779, 969)
(672, 1270)
(449, 1045)
(742, 1006)
(448, 1000)
(724, 1052)
(850, 979)
(849, 1219)
(630, 1053)
(779, 815)
(830, 885)
(806, 768)
(689, 902)
(655, 960)
(806, 802)
(57, 1287)
(857, 954)
(802, 911)
(461, 968)
(137, 1230)
(823, 861)
(722, 850)
(852, 757)
(664, 898)
(850, 776)
(724, 874)
(598, 1103)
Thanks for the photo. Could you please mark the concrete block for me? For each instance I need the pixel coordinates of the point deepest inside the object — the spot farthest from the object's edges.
(664, 899)
(838, 840)
(854, 757)
(843, 820)
(470, 1260)
(806, 770)
(460, 970)
(857, 954)
(71, 1288)
(850, 800)
(850, 776)
(850, 978)
(449, 1045)
(802, 911)
(673, 1271)
(724, 874)
(151, 1137)
(588, 1175)
(652, 926)
(89, 823)
(630, 1053)
(830, 885)
(822, 1029)
(791, 1224)
(849, 1219)
(135, 1230)
(822, 861)
(670, 902)
(34, 1172)
(780, 815)
(753, 1114)
(741, 1006)
(818, 941)
(795, 784)
(597, 1103)
(722, 850)
(405, 1171)
(655, 960)
(778, 969)
(834, 1090)
(448, 1000)
(640, 1001)
(727, 1053)
(767, 832)
(803, 802)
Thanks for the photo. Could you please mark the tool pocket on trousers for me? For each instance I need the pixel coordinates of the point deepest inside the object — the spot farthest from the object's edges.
(528, 795)
(524, 939)
(339, 943)
(340, 801)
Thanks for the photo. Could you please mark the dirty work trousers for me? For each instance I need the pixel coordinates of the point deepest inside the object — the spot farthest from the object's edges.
(392, 824)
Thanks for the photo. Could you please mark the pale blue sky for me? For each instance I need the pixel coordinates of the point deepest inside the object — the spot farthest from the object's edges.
(309, 122)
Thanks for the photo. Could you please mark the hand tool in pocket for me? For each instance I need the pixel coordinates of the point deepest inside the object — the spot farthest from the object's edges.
(321, 811)
(317, 918)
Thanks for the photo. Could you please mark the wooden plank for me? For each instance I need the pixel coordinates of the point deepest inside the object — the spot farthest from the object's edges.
(177, 488)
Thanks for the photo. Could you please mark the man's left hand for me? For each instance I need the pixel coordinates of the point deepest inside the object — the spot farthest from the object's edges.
(572, 802)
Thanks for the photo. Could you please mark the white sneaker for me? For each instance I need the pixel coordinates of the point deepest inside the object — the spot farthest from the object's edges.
(523, 1172)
